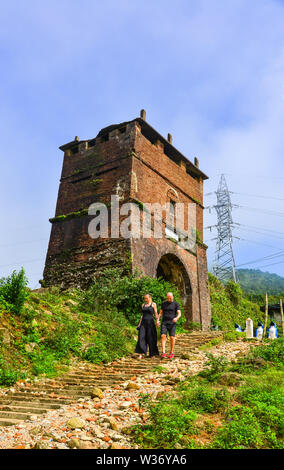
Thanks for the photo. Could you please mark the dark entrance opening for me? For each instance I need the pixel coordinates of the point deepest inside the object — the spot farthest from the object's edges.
(173, 270)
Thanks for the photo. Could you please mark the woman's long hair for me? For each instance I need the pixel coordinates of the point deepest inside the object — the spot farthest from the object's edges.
(149, 296)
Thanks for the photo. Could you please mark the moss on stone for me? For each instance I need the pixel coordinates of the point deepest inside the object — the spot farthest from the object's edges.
(70, 215)
(95, 183)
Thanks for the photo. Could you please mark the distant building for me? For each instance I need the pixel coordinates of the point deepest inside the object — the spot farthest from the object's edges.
(273, 312)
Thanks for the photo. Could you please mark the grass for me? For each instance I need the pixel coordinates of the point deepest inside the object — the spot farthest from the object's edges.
(229, 306)
(159, 369)
(54, 328)
(49, 328)
(210, 410)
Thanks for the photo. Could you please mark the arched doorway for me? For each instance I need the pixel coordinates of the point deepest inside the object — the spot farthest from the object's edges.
(171, 268)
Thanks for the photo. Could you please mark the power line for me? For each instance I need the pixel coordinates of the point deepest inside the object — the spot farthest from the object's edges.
(256, 195)
(258, 230)
(273, 264)
(257, 243)
(250, 195)
(254, 209)
(261, 233)
(261, 228)
(263, 211)
(273, 256)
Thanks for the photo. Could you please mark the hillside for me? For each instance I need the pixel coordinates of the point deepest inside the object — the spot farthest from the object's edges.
(255, 281)
(53, 330)
(215, 395)
(43, 331)
(229, 305)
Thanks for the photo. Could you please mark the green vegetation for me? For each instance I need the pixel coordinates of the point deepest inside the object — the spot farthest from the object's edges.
(95, 183)
(221, 408)
(70, 215)
(126, 293)
(78, 171)
(159, 369)
(229, 305)
(227, 405)
(255, 281)
(209, 344)
(13, 292)
(140, 204)
(215, 367)
(42, 331)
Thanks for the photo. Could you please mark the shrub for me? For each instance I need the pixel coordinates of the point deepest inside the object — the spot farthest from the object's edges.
(215, 366)
(209, 344)
(9, 375)
(273, 352)
(244, 428)
(201, 398)
(241, 430)
(270, 417)
(13, 291)
(113, 338)
(112, 289)
(234, 291)
(169, 422)
(43, 362)
(230, 306)
(266, 404)
(261, 394)
(261, 357)
(233, 335)
(65, 339)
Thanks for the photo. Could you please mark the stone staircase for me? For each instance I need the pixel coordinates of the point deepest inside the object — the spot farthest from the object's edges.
(25, 400)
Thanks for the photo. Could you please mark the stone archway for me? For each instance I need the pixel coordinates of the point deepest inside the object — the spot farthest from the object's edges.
(171, 268)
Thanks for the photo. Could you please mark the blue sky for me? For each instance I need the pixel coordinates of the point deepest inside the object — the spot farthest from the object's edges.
(210, 72)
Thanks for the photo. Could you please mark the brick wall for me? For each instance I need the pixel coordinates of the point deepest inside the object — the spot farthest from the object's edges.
(123, 160)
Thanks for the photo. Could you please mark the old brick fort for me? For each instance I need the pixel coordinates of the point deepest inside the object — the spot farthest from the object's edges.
(133, 161)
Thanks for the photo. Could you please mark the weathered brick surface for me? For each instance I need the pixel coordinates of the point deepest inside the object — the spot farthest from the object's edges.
(133, 161)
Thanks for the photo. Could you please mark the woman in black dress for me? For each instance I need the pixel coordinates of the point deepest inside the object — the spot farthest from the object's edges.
(147, 330)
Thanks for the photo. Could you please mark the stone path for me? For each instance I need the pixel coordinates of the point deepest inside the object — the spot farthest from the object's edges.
(92, 406)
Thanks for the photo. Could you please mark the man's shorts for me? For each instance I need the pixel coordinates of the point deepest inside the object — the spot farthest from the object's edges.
(168, 326)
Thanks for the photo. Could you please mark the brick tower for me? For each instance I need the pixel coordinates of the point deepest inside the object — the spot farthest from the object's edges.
(133, 161)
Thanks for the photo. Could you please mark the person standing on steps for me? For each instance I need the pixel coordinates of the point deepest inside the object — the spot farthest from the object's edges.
(147, 336)
(170, 311)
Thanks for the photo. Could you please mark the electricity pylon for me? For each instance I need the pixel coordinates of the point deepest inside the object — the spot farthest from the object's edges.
(224, 266)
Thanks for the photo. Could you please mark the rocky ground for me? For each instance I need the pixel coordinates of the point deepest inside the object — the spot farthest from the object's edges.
(102, 422)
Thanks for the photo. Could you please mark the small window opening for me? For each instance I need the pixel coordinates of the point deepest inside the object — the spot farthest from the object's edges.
(91, 143)
(75, 150)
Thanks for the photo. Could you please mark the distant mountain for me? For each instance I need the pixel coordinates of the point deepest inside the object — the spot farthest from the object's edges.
(255, 281)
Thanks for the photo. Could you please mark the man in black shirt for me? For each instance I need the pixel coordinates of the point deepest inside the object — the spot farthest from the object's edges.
(171, 313)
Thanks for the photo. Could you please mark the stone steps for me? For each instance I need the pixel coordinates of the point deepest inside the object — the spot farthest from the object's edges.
(37, 399)
(15, 415)
(28, 406)
(109, 370)
(41, 396)
(95, 382)
(85, 378)
(9, 422)
(83, 391)
(22, 409)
